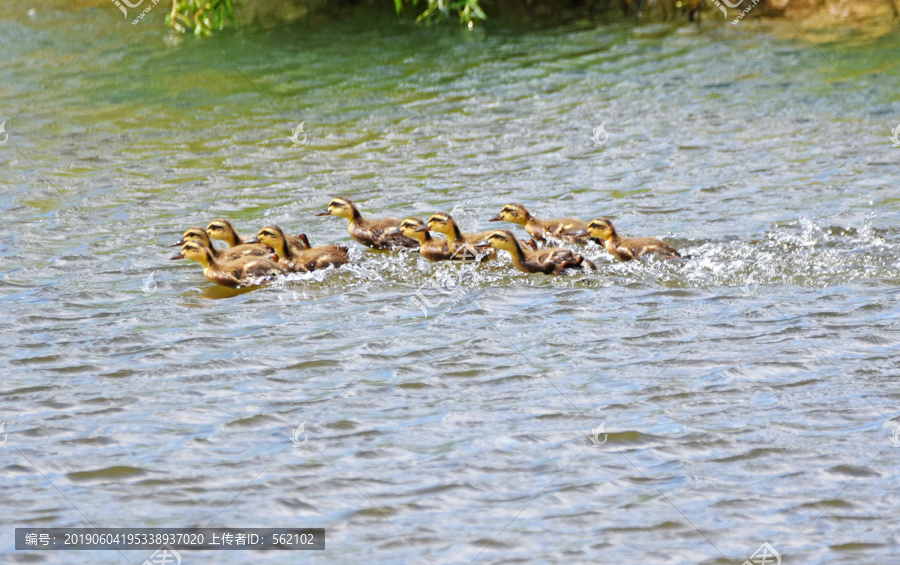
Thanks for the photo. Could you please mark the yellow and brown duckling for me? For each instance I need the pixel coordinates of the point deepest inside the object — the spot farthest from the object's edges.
(602, 232)
(303, 260)
(563, 229)
(553, 260)
(247, 270)
(224, 230)
(432, 248)
(371, 233)
(199, 235)
(458, 242)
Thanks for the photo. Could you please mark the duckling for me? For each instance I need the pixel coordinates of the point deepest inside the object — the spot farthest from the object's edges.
(547, 261)
(431, 248)
(224, 230)
(564, 229)
(199, 235)
(304, 260)
(243, 271)
(457, 242)
(602, 232)
(371, 233)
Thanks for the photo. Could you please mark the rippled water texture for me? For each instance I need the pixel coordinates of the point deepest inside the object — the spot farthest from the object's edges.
(747, 394)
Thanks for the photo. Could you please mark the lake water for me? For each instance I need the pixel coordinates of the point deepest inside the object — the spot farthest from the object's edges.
(747, 395)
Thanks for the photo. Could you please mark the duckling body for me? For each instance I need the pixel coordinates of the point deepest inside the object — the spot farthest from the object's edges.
(563, 229)
(553, 260)
(458, 242)
(602, 232)
(371, 233)
(304, 260)
(199, 235)
(246, 270)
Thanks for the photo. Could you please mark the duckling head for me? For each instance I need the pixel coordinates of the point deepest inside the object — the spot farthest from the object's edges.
(341, 207)
(601, 229)
(194, 234)
(195, 252)
(500, 239)
(222, 230)
(410, 228)
(273, 236)
(513, 213)
(441, 223)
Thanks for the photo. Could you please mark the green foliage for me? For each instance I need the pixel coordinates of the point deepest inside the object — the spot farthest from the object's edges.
(200, 16)
(469, 10)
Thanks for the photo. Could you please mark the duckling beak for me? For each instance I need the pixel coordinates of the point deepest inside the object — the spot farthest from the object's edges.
(252, 240)
(178, 243)
(581, 233)
(482, 244)
(324, 213)
(393, 231)
(422, 228)
(497, 219)
(179, 256)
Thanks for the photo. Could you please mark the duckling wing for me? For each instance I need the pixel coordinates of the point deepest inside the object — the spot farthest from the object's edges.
(297, 244)
(381, 240)
(246, 250)
(552, 260)
(257, 269)
(625, 253)
(559, 255)
(653, 246)
(330, 255)
(399, 241)
(566, 228)
(224, 278)
(320, 258)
